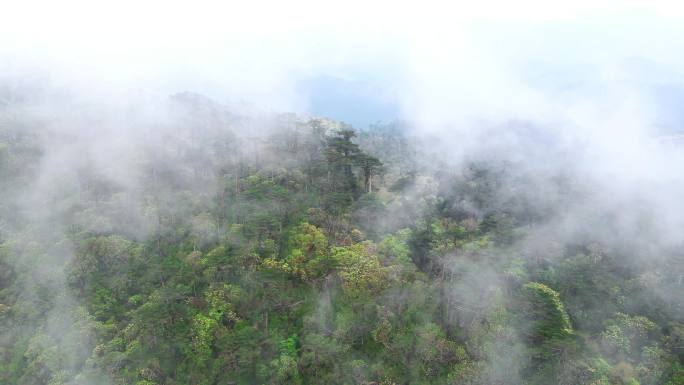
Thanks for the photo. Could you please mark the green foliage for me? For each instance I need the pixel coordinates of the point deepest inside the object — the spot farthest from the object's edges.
(626, 335)
(360, 270)
(313, 255)
(308, 257)
(544, 313)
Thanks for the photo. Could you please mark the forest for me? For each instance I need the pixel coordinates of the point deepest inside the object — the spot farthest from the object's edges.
(213, 247)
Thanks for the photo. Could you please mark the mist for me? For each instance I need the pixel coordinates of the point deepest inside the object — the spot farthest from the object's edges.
(179, 161)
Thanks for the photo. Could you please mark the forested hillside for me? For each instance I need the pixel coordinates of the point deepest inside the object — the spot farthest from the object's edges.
(207, 246)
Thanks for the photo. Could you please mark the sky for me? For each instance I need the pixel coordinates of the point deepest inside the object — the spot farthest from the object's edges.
(364, 62)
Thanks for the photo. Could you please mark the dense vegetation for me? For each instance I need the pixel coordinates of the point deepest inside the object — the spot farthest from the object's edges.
(228, 250)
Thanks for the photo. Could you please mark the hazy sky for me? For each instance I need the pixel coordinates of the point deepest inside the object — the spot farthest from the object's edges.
(363, 61)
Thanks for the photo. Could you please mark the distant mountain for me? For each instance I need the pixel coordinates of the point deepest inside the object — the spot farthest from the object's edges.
(356, 101)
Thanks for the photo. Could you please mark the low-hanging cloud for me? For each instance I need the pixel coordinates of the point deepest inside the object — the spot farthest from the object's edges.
(582, 92)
